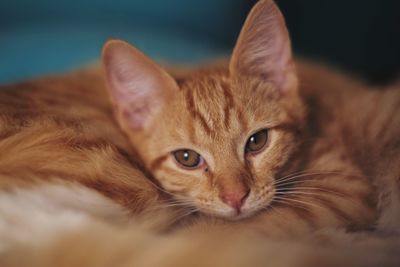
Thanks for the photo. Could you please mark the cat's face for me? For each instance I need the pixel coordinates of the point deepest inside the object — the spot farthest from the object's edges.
(216, 140)
(219, 142)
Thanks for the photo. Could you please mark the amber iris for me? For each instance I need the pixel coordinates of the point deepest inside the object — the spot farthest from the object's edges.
(257, 141)
(187, 158)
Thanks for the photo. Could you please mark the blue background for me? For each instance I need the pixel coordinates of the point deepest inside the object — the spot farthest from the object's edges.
(42, 37)
(47, 36)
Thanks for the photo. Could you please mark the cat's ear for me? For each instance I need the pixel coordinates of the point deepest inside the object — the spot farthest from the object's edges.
(263, 48)
(137, 85)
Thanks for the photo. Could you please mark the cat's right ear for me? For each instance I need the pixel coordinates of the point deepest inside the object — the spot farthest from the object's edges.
(137, 85)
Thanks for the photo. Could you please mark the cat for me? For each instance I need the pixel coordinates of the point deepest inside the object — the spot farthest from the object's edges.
(244, 138)
(265, 144)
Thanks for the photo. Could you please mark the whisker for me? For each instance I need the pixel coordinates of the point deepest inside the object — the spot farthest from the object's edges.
(303, 193)
(302, 172)
(283, 201)
(305, 174)
(294, 182)
(161, 189)
(318, 192)
(189, 212)
(291, 174)
(173, 203)
(321, 189)
(300, 201)
(280, 181)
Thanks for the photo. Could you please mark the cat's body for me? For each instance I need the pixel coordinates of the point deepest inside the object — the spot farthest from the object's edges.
(62, 128)
(68, 119)
(46, 132)
(362, 124)
(333, 160)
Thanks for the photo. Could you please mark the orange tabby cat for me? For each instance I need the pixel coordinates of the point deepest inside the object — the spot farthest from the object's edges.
(280, 147)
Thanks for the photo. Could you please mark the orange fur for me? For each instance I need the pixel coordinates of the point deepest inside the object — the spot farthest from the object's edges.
(332, 159)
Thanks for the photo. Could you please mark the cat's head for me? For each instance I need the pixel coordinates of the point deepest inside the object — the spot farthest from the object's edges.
(216, 139)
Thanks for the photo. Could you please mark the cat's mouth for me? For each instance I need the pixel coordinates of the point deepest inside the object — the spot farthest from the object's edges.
(254, 204)
(234, 215)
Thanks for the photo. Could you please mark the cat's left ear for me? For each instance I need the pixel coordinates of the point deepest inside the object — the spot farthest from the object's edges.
(263, 48)
(137, 85)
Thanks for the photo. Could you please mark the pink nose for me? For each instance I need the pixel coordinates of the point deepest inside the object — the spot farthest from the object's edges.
(235, 199)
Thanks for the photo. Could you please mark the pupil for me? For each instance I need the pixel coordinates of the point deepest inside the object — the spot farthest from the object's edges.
(186, 156)
(254, 140)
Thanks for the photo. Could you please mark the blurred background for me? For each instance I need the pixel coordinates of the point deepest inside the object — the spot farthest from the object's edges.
(46, 36)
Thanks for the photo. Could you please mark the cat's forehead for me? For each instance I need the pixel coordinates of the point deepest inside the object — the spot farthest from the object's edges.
(216, 94)
(209, 91)
(213, 106)
(210, 100)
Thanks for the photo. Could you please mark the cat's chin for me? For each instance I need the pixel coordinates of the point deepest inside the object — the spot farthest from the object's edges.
(241, 216)
(231, 215)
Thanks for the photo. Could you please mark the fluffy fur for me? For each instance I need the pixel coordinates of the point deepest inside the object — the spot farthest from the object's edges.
(95, 233)
(325, 189)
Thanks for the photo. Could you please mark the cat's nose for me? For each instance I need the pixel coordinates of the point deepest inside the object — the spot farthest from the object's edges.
(235, 199)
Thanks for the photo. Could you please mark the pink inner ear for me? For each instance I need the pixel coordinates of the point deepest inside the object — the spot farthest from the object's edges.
(134, 118)
(128, 77)
(136, 84)
(263, 48)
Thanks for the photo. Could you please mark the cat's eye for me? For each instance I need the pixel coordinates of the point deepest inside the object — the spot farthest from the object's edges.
(188, 158)
(257, 141)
